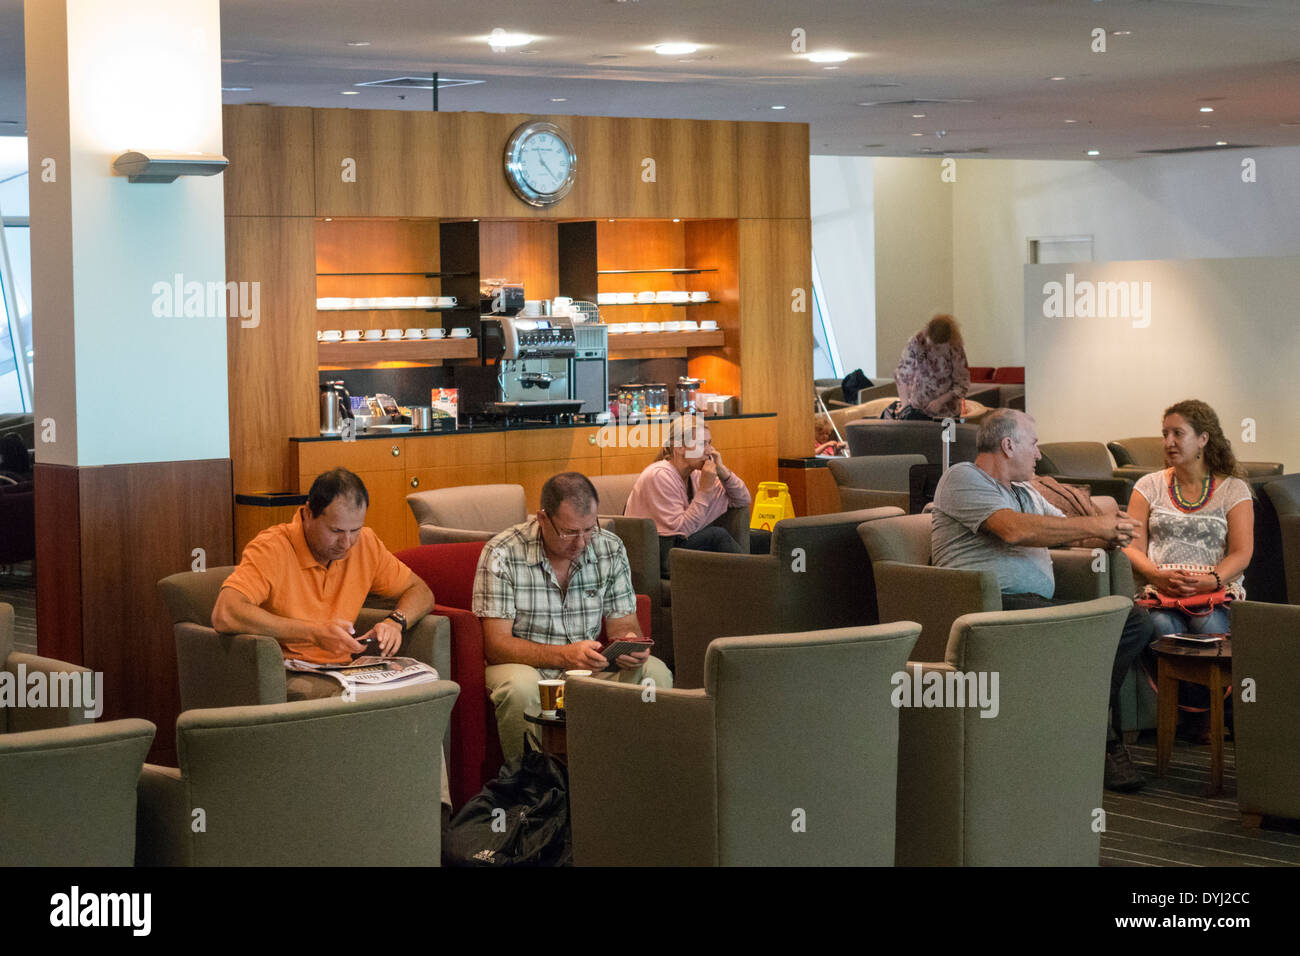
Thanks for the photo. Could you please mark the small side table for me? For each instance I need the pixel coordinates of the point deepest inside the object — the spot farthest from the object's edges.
(1211, 667)
(553, 732)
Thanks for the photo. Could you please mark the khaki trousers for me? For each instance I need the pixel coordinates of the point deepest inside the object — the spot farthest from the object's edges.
(513, 689)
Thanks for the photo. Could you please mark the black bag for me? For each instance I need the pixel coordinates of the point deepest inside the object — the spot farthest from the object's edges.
(534, 829)
(853, 383)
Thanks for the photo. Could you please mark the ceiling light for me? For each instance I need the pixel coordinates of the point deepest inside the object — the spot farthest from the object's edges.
(499, 39)
(918, 116)
(830, 68)
(329, 219)
(1203, 126)
(828, 56)
(1121, 33)
(676, 220)
(918, 134)
(559, 99)
(778, 107)
(1207, 109)
(1094, 152)
(358, 43)
(349, 92)
(1057, 78)
(236, 89)
(1072, 121)
(675, 49)
(1222, 142)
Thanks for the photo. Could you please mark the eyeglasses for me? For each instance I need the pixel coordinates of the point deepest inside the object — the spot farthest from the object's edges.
(586, 534)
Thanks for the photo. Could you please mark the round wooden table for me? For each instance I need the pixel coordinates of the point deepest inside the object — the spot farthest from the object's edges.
(1210, 666)
(553, 732)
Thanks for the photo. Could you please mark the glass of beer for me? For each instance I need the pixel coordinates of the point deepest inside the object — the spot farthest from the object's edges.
(549, 692)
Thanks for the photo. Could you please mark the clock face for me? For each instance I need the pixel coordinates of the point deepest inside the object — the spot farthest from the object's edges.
(540, 163)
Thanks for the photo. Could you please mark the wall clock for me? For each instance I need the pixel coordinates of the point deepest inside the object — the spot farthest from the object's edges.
(540, 163)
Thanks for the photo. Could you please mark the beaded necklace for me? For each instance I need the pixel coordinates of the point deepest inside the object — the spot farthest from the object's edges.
(1207, 490)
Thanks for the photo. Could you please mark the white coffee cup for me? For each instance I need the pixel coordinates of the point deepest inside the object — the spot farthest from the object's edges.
(374, 335)
(435, 333)
(392, 334)
(561, 302)
(446, 301)
(331, 335)
(460, 332)
(415, 333)
(708, 325)
(352, 335)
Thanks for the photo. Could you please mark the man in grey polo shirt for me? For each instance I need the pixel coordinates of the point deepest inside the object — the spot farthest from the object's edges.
(986, 519)
(542, 590)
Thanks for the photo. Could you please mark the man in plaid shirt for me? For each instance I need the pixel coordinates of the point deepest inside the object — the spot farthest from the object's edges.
(542, 590)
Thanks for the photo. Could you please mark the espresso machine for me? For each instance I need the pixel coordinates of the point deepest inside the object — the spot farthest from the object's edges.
(527, 369)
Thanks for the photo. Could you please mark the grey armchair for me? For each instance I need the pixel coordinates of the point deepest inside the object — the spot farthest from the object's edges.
(68, 794)
(874, 481)
(817, 576)
(229, 670)
(309, 783)
(15, 720)
(468, 512)
(958, 799)
(1084, 463)
(884, 437)
(1266, 648)
(909, 588)
(786, 757)
(1283, 495)
(1136, 457)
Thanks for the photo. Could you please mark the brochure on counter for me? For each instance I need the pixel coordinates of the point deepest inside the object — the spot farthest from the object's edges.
(370, 673)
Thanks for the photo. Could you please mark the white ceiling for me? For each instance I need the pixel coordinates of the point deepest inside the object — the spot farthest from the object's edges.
(1242, 57)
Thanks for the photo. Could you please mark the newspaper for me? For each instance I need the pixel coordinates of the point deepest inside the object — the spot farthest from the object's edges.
(370, 673)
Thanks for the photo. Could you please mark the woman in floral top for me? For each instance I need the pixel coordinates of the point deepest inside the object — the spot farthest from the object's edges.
(932, 375)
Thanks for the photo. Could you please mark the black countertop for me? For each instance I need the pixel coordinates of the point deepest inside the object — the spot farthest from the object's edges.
(522, 426)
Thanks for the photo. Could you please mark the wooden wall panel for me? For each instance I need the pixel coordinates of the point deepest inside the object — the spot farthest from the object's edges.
(774, 171)
(444, 451)
(270, 151)
(526, 252)
(712, 244)
(140, 523)
(450, 165)
(272, 368)
(58, 563)
(776, 347)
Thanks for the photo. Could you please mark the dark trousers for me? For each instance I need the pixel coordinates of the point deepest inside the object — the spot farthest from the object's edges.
(709, 538)
(1137, 634)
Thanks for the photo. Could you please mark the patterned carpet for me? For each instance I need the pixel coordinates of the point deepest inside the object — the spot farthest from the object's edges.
(1170, 823)
(18, 587)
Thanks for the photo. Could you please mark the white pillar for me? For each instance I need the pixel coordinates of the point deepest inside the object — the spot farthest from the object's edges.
(119, 381)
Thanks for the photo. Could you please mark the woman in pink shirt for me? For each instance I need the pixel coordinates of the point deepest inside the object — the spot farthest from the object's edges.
(933, 377)
(685, 490)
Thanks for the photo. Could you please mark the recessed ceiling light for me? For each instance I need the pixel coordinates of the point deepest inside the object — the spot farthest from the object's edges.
(778, 107)
(828, 56)
(528, 52)
(236, 89)
(1072, 121)
(329, 219)
(918, 116)
(676, 220)
(1207, 109)
(349, 92)
(830, 68)
(559, 99)
(675, 49)
(358, 43)
(1203, 126)
(1057, 78)
(1121, 33)
(1094, 152)
(500, 39)
(1222, 142)
(918, 134)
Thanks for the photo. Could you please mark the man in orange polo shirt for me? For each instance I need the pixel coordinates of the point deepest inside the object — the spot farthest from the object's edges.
(304, 583)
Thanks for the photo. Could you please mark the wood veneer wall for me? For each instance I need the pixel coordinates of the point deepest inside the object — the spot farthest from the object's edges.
(287, 169)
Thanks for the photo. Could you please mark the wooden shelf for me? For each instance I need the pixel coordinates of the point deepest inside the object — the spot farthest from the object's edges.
(624, 305)
(435, 350)
(661, 344)
(628, 272)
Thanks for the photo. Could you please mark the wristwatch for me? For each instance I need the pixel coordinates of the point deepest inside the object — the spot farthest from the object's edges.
(399, 617)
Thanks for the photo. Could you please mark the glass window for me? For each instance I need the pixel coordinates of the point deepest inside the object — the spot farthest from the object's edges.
(16, 356)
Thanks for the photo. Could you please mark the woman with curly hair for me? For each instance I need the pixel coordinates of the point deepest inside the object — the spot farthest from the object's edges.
(1195, 522)
(933, 377)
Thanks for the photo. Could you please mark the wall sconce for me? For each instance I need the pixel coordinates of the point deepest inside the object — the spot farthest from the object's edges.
(161, 166)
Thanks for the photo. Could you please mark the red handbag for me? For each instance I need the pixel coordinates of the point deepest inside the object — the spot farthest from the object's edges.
(1196, 605)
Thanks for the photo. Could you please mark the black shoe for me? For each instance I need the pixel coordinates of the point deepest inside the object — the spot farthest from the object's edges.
(1121, 775)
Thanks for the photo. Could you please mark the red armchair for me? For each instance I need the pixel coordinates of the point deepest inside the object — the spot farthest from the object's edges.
(1010, 375)
(475, 754)
(981, 373)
